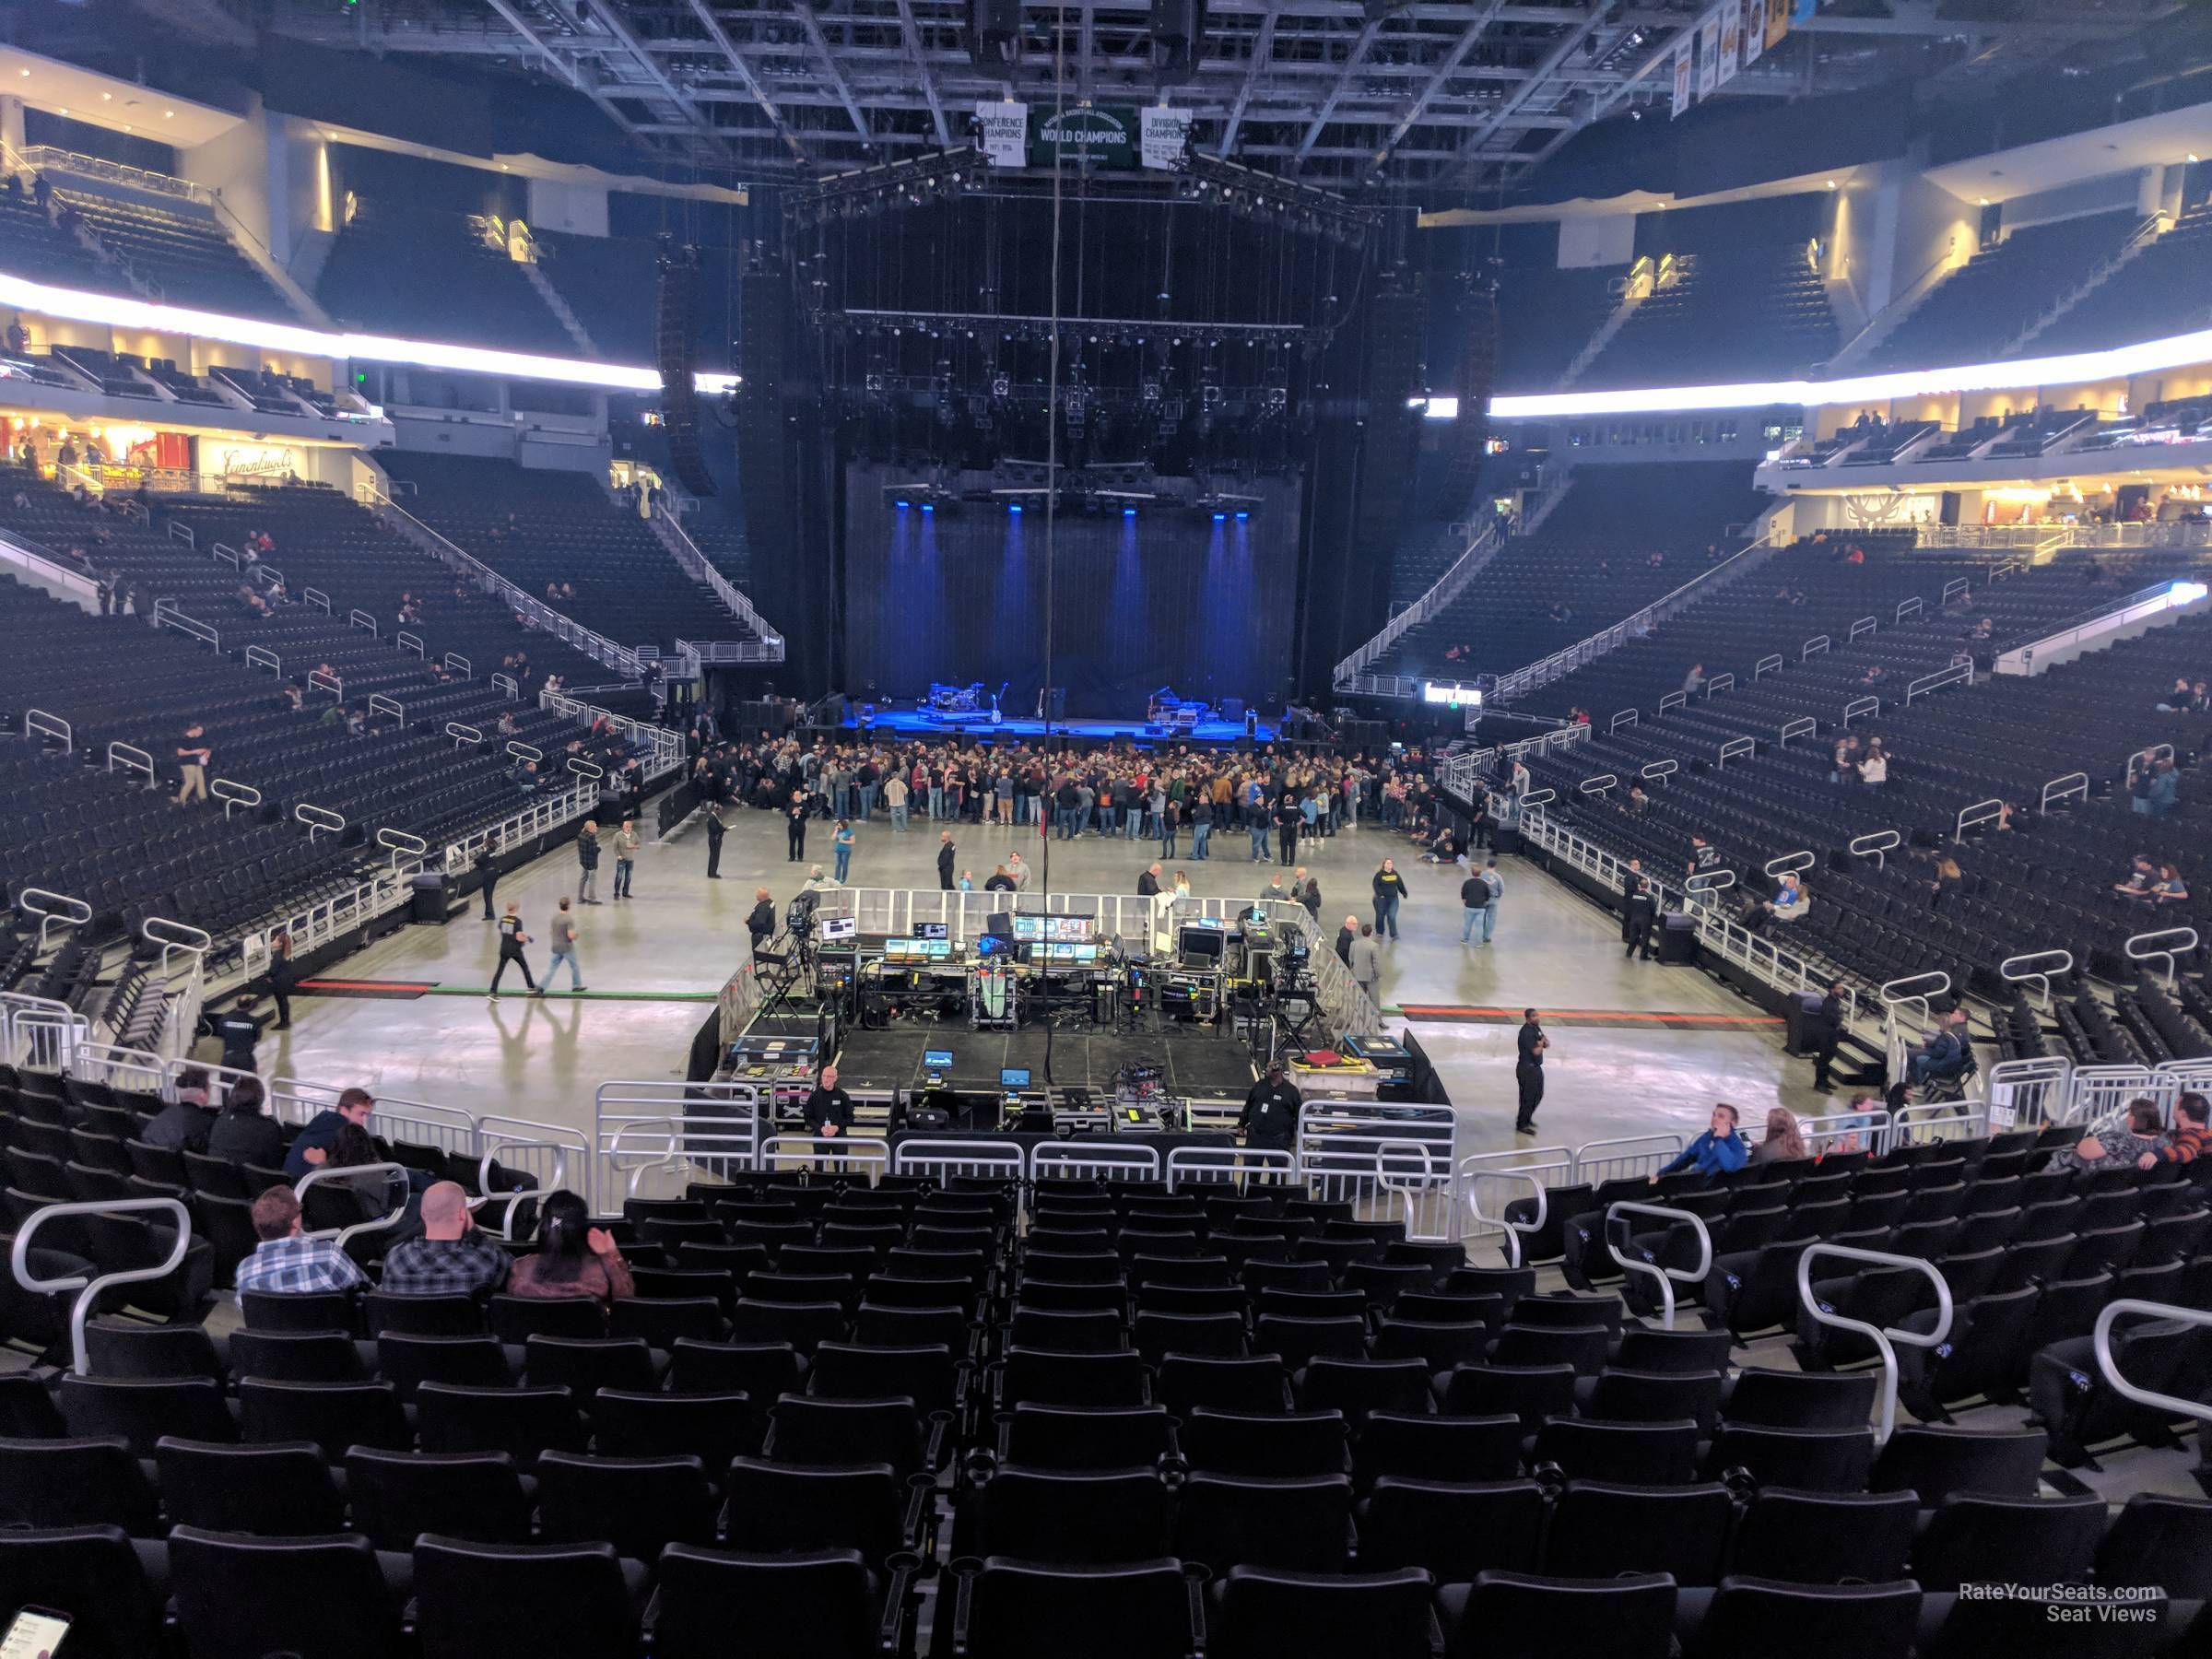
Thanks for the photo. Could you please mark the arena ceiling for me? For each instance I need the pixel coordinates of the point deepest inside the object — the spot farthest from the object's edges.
(1440, 100)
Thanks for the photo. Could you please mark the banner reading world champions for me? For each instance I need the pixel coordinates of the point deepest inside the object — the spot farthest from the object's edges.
(1085, 137)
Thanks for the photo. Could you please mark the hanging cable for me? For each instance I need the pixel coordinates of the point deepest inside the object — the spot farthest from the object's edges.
(1051, 456)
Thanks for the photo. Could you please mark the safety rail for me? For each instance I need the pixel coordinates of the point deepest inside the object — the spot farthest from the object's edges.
(1877, 845)
(1884, 1337)
(1911, 991)
(1462, 773)
(666, 747)
(1480, 550)
(1862, 628)
(1736, 749)
(319, 819)
(2022, 1093)
(315, 599)
(364, 620)
(408, 641)
(1093, 1160)
(620, 658)
(1719, 682)
(1654, 770)
(2036, 969)
(1789, 863)
(232, 793)
(459, 665)
(52, 909)
(1813, 647)
(380, 704)
(347, 1172)
(1977, 812)
(1909, 608)
(321, 679)
(951, 1159)
(1214, 1166)
(131, 759)
(35, 560)
(2066, 786)
(1805, 726)
(766, 646)
(1673, 701)
(167, 615)
(2108, 1365)
(1860, 706)
(511, 1198)
(1627, 717)
(40, 1034)
(2145, 603)
(1603, 784)
(89, 1289)
(261, 656)
(1510, 1230)
(1667, 1277)
(462, 734)
(2167, 944)
(1766, 666)
(1664, 608)
(2099, 1094)
(1959, 673)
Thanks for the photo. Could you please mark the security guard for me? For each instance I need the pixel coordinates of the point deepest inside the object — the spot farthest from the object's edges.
(238, 1030)
(716, 830)
(1270, 1114)
(1528, 1070)
(1642, 915)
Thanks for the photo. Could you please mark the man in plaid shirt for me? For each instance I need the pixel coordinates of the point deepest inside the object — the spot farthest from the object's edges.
(286, 1263)
(451, 1258)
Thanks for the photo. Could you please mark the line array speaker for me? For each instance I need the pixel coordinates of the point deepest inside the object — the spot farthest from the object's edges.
(672, 353)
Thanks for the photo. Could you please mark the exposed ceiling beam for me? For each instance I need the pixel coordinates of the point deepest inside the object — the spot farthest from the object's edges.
(911, 31)
(721, 36)
(1435, 84)
(1368, 32)
(837, 76)
(1569, 44)
(1262, 45)
(610, 18)
(567, 69)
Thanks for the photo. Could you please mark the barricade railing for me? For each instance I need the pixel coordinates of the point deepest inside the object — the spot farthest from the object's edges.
(2167, 944)
(506, 682)
(1667, 1277)
(1719, 682)
(1789, 863)
(2176, 1406)
(139, 1071)
(459, 665)
(408, 641)
(1627, 717)
(2066, 786)
(506, 1200)
(2028, 1093)
(1656, 769)
(1480, 548)
(959, 1159)
(651, 1145)
(400, 844)
(261, 656)
(2036, 969)
(1866, 1131)
(1671, 700)
(315, 598)
(40, 1034)
(2097, 1094)
(665, 747)
(1884, 1337)
(1900, 997)
(89, 1287)
(1093, 1160)
(1626, 1156)
(1232, 1166)
(319, 680)
(347, 1174)
(1957, 674)
(1600, 784)
(1909, 608)
(539, 818)
(2105, 619)
(1920, 1126)
(846, 1154)
(167, 615)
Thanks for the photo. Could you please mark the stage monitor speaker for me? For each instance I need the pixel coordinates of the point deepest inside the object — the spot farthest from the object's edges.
(994, 33)
(680, 394)
(1178, 39)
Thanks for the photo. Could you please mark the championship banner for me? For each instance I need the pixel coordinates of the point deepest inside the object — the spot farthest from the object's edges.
(1685, 70)
(1005, 132)
(1708, 54)
(1165, 137)
(1086, 137)
(1732, 42)
(1755, 30)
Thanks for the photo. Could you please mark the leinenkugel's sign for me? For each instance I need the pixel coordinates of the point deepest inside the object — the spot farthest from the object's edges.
(1089, 137)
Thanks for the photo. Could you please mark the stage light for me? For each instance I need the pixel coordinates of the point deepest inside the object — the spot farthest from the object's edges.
(904, 505)
(1218, 517)
(1014, 507)
(1128, 513)
(931, 507)
(1241, 515)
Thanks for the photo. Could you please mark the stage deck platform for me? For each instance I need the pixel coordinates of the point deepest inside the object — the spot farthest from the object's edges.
(1198, 1065)
(910, 724)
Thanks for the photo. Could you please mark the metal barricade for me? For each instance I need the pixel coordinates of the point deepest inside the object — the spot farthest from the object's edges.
(2027, 1094)
(553, 1151)
(1626, 1156)
(1924, 1126)
(506, 1200)
(624, 1166)
(1235, 1166)
(717, 1125)
(1844, 1132)
(2101, 1092)
(1667, 1277)
(88, 1289)
(136, 1071)
(842, 1154)
(1884, 1337)
(347, 1172)
(1090, 1161)
(934, 1160)
(39, 1036)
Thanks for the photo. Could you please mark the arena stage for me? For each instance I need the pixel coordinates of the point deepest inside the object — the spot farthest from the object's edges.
(910, 724)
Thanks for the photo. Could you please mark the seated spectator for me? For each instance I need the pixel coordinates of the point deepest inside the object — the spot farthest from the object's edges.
(310, 1149)
(2157, 788)
(1944, 1057)
(185, 1125)
(1788, 904)
(2186, 1141)
(2142, 875)
(2139, 1143)
(2175, 701)
(1721, 1148)
(453, 1257)
(2170, 889)
(574, 1258)
(1784, 1140)
(1638, 803)
(245, 1133)
(285, 1263)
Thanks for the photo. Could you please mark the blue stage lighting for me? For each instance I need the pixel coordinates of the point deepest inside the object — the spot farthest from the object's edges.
(904, 505)
(1128, 513)
(1243, 515)
(1219, 517)
(929, 506)
(1014, 507)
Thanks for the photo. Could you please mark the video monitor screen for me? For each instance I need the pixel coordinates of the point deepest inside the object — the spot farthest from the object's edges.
(1070, 930)
(938, 950)
(994, 944)
(938, 1059)
(840, 927)
(1201, 942)
(1030, 927)
(1014, 1076)
(931, 930)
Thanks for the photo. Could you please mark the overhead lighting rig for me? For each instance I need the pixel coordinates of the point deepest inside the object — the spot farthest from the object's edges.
(889, 187)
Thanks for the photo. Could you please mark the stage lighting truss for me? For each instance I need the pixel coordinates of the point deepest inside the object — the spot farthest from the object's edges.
(890, 187)
(1250, 193)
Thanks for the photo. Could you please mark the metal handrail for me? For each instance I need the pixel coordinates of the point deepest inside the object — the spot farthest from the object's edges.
(692, 557)
(2036, 968)
(343, 1171)
(64, 910)
(1511, 1230)
(88, 1289)
(2166, 945)
(511, 1196)
(1479, 552)
(1667, 1277)
(1884, 1337)
(2101, 1345)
